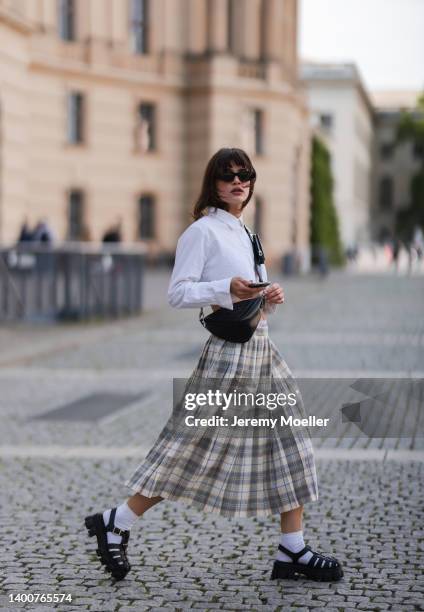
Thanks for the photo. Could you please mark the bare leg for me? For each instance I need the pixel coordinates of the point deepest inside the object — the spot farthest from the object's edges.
(291, 520)
(140, 503)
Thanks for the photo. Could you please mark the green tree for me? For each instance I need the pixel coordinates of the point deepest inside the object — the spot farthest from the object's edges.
(324, 222)
(411, 129)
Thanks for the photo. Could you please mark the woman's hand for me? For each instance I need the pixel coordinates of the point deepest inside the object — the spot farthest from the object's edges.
(240, 288)
(274, 294)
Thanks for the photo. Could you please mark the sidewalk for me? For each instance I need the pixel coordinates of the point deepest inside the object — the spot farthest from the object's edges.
(54, 472)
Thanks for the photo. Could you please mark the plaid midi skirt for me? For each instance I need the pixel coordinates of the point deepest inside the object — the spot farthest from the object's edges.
(255, 474)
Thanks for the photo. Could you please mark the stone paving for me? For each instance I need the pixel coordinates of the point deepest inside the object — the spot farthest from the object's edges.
(53, 473)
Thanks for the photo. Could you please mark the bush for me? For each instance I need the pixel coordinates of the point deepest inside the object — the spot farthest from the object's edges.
(324, 234)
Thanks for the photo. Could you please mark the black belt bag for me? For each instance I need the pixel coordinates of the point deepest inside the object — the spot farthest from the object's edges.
(236, 325)
(239, 324)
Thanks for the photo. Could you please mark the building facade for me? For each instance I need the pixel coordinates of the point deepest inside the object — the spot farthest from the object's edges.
(396, 164)
(341, 109)
(110, 110)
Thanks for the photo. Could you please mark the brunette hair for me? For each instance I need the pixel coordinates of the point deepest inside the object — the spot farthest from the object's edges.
(218, 164)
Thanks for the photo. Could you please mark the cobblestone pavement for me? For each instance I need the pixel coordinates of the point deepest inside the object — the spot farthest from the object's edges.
(52, 473)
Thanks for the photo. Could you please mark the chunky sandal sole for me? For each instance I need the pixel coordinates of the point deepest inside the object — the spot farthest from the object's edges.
(96, 527)
(283, 569)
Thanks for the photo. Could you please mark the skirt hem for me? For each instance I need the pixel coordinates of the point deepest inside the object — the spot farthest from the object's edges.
(226, 513)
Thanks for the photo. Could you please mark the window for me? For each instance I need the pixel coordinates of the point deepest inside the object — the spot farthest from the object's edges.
(258, 126)
(386, 193)
(75, 117)
(252, 131)
(262, 30)
(230, 26)
(75, 214)
(326, 121)
(139, 30)
(66, 14)
(146, 215)
(146, 128)
(257, 219)
(386, 150)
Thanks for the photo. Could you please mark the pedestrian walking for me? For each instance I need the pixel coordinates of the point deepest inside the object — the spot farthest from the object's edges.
(25, 233)
(43, 233)
(418, 242)
(396, 247)
(256, 472)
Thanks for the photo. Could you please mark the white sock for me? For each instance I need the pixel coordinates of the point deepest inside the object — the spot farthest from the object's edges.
(294, 542)
(124, 519)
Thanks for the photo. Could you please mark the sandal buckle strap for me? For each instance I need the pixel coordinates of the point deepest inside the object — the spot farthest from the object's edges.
(111, 525)
(118, 531)
(291, 554)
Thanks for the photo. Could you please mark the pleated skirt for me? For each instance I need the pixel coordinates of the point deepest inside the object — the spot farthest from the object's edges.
(258, 473)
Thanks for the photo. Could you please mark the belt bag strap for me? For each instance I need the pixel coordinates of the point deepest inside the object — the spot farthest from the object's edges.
(258, 252)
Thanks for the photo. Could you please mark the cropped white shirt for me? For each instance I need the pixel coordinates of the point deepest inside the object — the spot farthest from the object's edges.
(210, 252)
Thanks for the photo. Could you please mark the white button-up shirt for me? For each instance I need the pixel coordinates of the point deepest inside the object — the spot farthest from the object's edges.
(210, 252)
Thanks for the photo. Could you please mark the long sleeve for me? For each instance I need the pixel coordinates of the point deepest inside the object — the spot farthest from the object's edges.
(268, 308)
(185, 288)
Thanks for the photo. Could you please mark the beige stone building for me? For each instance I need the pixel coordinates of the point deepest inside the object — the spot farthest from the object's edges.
(111, 108)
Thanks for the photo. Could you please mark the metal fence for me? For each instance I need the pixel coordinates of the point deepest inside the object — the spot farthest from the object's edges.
(73, 282)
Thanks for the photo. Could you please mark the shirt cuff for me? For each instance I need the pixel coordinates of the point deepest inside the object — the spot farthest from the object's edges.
(223, 295)
(269, 308)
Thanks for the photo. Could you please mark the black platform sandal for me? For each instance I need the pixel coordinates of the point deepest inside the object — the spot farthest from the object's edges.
(113, 556)
(318, 567)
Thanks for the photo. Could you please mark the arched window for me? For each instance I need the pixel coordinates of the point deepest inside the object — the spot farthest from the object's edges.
(146, 217)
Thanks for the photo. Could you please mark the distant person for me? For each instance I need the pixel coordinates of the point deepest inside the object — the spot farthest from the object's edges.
(418, 242)
(114, 233)
(411, 256)
(25, 234)
(388, 252)
(323, 266)
(396, 245)
(43, 233)
(351, 253)
(42, 238)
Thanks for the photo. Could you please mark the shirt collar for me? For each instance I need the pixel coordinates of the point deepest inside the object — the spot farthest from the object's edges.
(226, 217)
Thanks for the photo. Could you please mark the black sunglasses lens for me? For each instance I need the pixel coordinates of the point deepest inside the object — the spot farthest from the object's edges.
(244, 175)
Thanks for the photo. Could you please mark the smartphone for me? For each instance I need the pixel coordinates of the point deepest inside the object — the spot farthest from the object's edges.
(259, 285)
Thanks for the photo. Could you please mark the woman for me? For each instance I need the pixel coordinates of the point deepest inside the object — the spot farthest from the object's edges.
(251, 474)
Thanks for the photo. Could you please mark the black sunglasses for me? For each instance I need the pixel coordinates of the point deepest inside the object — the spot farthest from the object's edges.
(244, 175)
